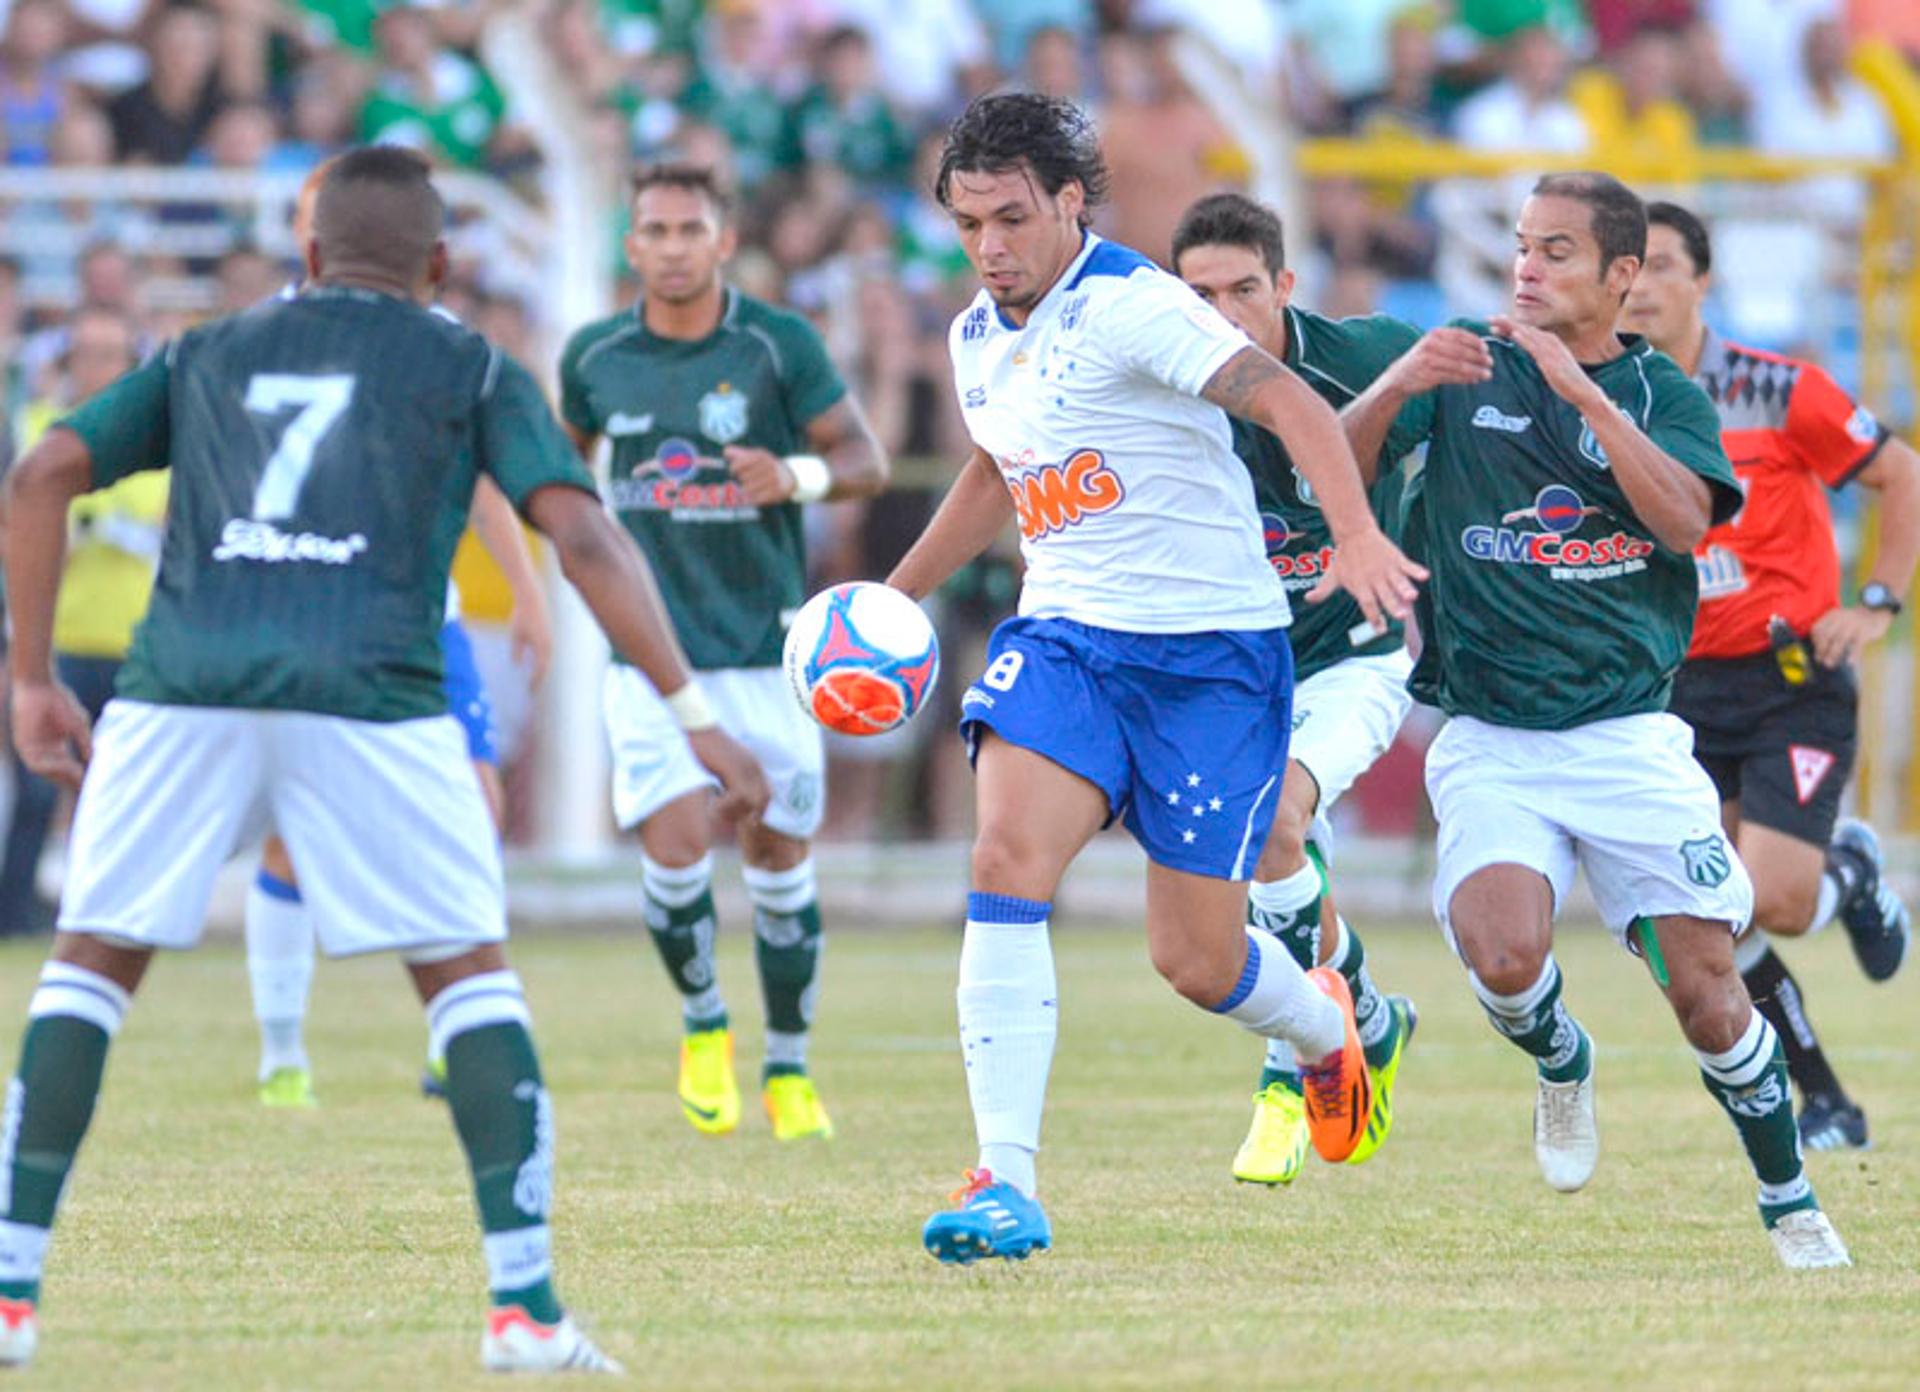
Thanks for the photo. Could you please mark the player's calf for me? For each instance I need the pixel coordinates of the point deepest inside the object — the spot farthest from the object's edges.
(480, 1025)
(71, 1021)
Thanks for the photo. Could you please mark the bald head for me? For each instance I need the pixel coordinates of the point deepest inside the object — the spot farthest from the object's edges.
(376, 216)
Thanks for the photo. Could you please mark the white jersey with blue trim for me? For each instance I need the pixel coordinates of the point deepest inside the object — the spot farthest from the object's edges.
(1135, 514)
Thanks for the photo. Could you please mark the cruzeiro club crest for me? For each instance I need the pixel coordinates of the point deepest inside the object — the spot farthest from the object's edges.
(1707, 861)
(723, 414)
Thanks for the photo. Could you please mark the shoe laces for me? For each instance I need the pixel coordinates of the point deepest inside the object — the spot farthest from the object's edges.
(1563, 1120)
(1807, 1231)
(1324, 1080)
(978, 1182)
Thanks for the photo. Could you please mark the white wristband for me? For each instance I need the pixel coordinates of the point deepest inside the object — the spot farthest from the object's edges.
(691, 708)
(812, 479)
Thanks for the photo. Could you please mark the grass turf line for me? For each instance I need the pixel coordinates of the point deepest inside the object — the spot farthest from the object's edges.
(210, 1243)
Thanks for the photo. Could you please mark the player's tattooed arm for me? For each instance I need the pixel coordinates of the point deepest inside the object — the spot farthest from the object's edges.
(1671, 500)
(50, 729)
(1255, 386)
(975, 511)
(842, 444)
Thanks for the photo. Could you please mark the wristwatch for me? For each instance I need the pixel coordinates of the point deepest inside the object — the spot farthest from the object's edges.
(1878, 596)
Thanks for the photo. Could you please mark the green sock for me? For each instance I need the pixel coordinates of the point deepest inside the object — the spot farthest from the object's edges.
(1749, 1081)
(505, 1121)
(786, 945)
(1289, 909)
(49, 1105)
(1537, 1021)
(680, 919)
(1372, 1016)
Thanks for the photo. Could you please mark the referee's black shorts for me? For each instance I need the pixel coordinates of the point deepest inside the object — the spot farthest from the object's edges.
(1782, 752)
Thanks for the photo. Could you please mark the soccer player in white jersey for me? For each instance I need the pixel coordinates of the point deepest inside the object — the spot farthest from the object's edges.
(1147, 675)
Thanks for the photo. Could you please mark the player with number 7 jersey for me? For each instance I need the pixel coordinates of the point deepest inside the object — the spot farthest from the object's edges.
(324, 452)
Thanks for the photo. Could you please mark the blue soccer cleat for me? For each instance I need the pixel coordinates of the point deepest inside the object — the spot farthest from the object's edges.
(990, 1219)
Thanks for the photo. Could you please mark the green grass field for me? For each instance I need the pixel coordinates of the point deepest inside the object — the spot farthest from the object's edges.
(208, 1243)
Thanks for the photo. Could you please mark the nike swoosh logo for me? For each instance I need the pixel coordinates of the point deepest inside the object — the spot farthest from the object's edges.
(704, 1113)
(620, 423)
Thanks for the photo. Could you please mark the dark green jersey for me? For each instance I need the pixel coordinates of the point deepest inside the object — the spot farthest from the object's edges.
(732, 574)
(1338, 358)
(323, 453)
(1551, 605)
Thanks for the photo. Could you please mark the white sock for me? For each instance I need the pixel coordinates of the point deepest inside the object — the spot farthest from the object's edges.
(1274, 998)
(1828, 903)
(1009, 1017)
(1281, 1057)
(280, 964)
(1286, 896)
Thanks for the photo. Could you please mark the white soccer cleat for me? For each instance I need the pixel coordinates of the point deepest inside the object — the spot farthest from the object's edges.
(1566, 1138)
(19, 1332)
(1806, 1241)
(515, 1342)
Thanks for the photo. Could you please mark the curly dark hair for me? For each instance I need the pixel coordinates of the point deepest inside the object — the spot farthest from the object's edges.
(1004, 132)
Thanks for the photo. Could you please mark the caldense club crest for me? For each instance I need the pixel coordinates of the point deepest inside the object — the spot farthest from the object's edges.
(1707, 861)
(723, 414)
(1305, 490)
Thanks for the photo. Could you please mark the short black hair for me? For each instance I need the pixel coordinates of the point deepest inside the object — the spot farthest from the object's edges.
(1619, 217)
(1693, 233)
(377, 207)
(1003, 132)
(1232, 219)
(695, 178)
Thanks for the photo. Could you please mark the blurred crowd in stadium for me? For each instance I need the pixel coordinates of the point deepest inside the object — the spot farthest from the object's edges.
(826, 113)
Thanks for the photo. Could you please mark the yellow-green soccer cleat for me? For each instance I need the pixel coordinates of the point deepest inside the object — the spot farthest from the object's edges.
(793, 1106)
(288, 1087)
(1276, 1143)
(709, 1096)
(1405, 1019)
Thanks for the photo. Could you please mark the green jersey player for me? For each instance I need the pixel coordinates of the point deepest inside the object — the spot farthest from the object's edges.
(1349, 696)
(1570, 472)
(323, 454)
(724, 416)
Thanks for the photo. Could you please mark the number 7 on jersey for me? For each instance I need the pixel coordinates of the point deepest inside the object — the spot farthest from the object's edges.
(321, 399)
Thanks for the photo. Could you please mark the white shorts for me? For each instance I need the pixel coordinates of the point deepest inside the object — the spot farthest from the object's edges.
(1346, 716)
(1623, 799)
(386, 824)
(653, 764)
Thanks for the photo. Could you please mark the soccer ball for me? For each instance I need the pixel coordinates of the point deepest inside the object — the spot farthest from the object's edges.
(861, 658)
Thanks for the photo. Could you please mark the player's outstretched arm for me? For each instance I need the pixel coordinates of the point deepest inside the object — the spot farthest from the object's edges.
(1673, 502)
(1256, 387)
(847, 462)
(498, 527)
(602, 562)
(1841, 634)
(970, 517)
(50, 728)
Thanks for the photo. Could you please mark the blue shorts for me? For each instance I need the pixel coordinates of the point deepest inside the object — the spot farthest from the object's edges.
(1186, 733)
(466, 697)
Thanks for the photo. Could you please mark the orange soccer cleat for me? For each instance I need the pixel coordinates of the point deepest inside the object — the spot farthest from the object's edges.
(1338, 1090)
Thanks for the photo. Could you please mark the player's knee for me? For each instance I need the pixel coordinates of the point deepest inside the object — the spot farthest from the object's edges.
(276, 862)
(1507, 968)
(1785, 910)
(1712, 1011)
(1286, 848)
(676, 845)
(1205, 978)
(1004, 864)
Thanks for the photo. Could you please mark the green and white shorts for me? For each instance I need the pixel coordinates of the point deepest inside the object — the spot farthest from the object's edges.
(653, 764)
(1622, 799)
(385, 821)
